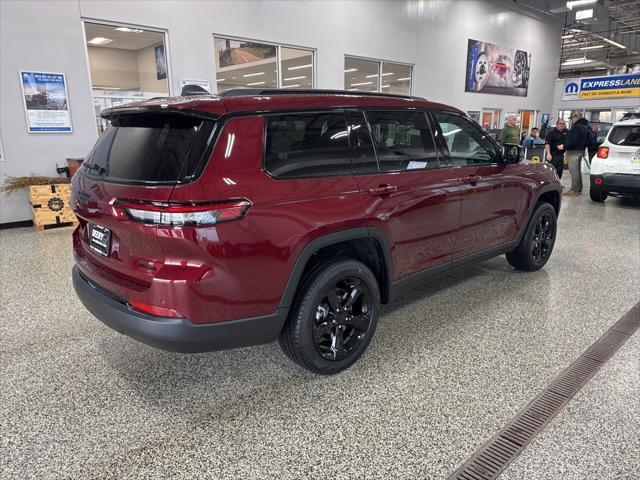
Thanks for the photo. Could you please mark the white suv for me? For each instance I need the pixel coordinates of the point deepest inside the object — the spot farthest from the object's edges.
(615, 169)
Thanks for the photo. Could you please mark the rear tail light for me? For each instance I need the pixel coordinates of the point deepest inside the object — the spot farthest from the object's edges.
(597, 181)
(154, 310)
(179, 215)
(603, 152)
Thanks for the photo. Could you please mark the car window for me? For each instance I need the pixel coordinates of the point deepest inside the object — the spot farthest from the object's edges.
(403, 140)
(307, 145)
(465, 143)
(364, 156)
(626, 135)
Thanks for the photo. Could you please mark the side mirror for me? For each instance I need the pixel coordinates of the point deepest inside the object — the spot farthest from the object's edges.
(512, 153)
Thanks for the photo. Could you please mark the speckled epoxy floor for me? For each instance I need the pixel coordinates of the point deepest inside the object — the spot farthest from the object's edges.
(449, 364)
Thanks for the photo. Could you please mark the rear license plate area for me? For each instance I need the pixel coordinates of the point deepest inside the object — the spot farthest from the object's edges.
(99, 239)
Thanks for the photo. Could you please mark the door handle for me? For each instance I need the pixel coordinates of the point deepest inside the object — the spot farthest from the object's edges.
(471, 179)
(383, 189)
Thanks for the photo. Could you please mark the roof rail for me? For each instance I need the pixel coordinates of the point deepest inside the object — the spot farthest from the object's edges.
(253, 92)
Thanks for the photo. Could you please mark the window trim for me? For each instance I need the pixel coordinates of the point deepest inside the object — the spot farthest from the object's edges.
(445, 148)
(279, 46)
(304, 112)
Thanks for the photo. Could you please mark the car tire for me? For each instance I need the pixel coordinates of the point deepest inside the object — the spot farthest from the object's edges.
(598, 195)
(536, 245)
(333, 318)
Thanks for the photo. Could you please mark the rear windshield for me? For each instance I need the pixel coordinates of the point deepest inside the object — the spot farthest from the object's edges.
(151, 147)
(625, 135)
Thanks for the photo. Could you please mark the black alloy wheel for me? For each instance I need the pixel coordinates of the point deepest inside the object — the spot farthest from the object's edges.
(334, 316)
(543, 238)
(342, 319)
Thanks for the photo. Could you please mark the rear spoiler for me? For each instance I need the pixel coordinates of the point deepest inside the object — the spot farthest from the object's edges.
(108, 113)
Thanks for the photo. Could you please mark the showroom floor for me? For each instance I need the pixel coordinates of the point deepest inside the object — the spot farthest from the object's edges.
(448, 366)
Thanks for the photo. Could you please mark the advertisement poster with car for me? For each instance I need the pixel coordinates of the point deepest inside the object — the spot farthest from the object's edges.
(46, 103)
(496, 69)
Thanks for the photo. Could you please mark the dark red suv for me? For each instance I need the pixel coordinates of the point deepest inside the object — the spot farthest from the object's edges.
(213, 222)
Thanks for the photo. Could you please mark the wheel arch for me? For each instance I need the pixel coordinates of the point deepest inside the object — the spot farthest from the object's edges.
(366, 244)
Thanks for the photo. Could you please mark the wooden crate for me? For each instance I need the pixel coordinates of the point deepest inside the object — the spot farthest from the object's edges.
(51, 206)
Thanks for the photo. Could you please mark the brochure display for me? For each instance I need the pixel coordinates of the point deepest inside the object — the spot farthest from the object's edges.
(46, 103)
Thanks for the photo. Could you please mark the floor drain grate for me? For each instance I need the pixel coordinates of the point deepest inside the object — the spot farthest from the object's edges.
(501, 449)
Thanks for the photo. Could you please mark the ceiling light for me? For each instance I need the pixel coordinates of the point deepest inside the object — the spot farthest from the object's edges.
(253, 74)
(592, 47)
(385, 86)
(614, 43)
(100, 41)
(371, 76)
(295, 78)
(578, 3)
(221, 80)
(566, 36)
(129, 30)
(385, 74)
(404, 79)
(255, 83)
(350, 70)
(361, 83)
(291, 86)
(300, 67)
(577, 61)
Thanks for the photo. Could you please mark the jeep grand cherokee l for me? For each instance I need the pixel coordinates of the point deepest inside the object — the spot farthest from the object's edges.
(215, 222)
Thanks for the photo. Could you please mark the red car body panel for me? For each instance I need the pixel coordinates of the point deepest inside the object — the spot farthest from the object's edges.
(240, 269)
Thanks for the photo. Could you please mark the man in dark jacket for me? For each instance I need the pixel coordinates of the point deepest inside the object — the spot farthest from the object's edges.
(577, 140)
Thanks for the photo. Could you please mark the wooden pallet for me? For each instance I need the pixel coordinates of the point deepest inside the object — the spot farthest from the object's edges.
(51, 206)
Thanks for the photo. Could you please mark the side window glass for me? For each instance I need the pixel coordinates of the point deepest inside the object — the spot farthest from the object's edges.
(465, 143)
(307, 145)
(403, 140)
(364, 156)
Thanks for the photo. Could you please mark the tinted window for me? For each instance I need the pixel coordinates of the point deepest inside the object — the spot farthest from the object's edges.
(626, 135)
(403, 140)
(364, 156)
(465, 143)
(307, 145)
(150, 147)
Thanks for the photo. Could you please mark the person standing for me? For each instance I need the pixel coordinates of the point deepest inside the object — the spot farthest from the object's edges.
(577, 140)
(510, 133)
(533, 139)
(555, 146)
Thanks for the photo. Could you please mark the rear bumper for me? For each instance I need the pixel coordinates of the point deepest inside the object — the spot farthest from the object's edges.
(617, 183)
(177, 335)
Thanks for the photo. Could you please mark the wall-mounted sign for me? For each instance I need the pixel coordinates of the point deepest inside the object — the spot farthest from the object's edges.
(615, 86)
(495, 69)
(46, 103)
(206, 84)
(474, 115)
(161, 62)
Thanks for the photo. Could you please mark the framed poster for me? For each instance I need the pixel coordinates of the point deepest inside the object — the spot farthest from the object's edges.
(206, 84)
(474, 115)
(46, 102)
(495, 69)
(161, 62)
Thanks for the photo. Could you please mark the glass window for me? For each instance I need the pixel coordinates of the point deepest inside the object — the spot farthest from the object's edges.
(158, 147)
(364, 156)
(466, 144)
(396, 78)
(249, 64)
(377, 76)
(362, 75)
(297, 68)
(127, 64)
(628, 135)
(307, 145)
(403, 140)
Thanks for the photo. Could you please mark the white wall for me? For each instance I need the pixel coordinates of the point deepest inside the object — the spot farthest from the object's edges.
(430, 34)
(114, 67)
(47, 37)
